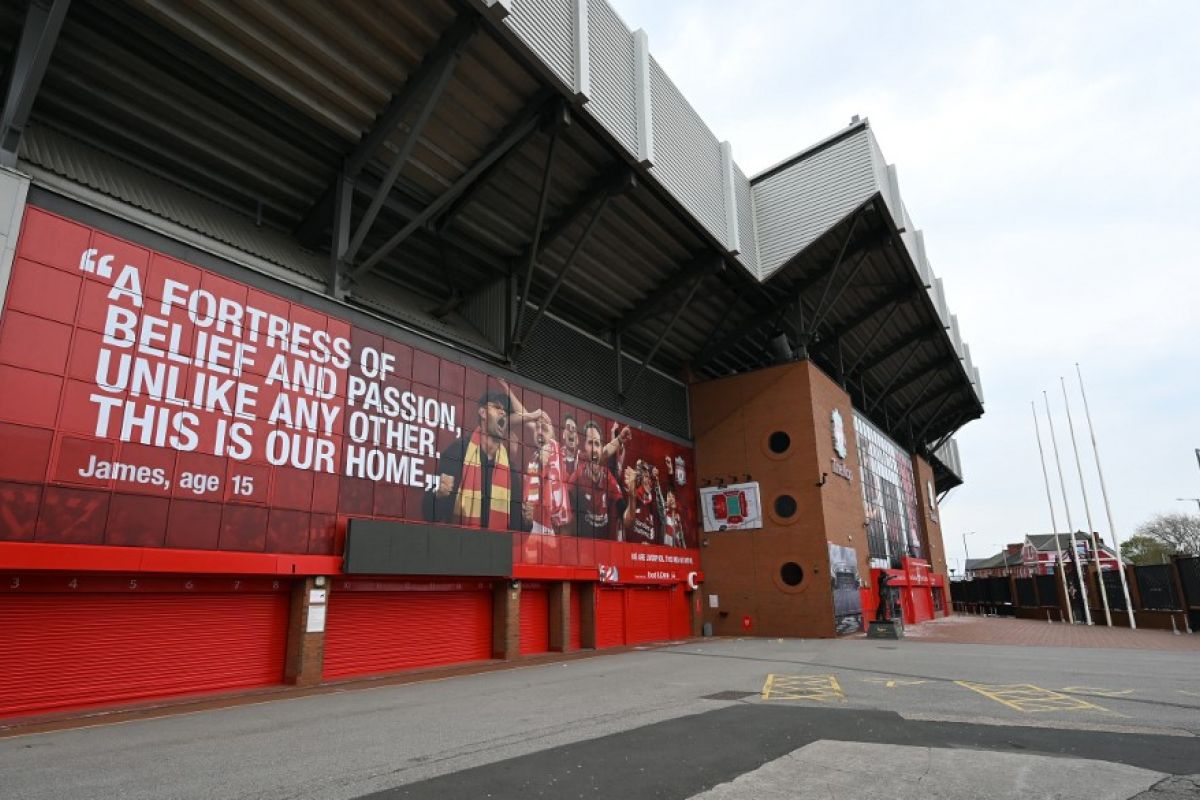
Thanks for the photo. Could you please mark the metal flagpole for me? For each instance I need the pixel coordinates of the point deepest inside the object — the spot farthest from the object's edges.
(1087, 606)
(1107, 509)
(1087, 510)
(1060, 566)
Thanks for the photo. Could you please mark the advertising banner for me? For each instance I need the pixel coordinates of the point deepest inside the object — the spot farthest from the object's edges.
(845, 582)
(149, 402)
(736, 507)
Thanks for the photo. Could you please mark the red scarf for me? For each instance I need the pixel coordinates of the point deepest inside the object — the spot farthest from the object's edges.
(470, 494)
(552, 506)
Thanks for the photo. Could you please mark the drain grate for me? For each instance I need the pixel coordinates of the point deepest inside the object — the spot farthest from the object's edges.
(729, 695)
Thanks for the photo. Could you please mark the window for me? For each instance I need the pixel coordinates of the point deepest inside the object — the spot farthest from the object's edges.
(889, 497)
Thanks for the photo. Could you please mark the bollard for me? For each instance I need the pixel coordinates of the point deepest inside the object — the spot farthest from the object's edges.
(1048, 620)
(1174, 627)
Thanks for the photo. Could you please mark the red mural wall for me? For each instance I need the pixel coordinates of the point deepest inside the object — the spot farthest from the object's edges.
(148, 402)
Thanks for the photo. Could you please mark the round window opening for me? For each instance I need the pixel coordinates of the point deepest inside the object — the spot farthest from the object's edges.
(791, 573)
(785, 506)
(779, 442)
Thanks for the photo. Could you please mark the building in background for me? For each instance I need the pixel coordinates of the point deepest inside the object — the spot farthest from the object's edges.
(345, 341)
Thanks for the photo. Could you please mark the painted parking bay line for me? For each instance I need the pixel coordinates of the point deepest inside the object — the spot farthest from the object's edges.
(1096, 691)
(1026, 697)
(803, 687)
(892, 683)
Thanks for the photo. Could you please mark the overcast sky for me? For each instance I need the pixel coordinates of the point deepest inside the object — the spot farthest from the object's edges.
(1051, 154)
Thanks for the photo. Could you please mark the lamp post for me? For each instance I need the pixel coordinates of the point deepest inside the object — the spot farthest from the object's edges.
(966, 553)
(1196, 500)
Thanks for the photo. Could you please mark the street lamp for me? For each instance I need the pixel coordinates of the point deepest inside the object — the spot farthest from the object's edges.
(1196, 500)
(966, 553)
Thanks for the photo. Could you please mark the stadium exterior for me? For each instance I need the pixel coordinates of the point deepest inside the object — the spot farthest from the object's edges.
(347, 340)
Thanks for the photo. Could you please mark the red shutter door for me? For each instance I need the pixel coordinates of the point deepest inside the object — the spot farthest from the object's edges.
(649, 615)
(681, 613)
(610, 617)
(371, 632)
(71, 650)
(535, 620)
(575, 640)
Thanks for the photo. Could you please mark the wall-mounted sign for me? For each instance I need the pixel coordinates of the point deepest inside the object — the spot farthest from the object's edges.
(844, 582)
(148, 402)
(316, 620)
(839, 433)
(608, 573)
(840, 469)
(735, 507)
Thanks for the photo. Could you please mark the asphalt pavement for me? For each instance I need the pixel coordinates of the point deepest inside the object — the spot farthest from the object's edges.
(714, 718)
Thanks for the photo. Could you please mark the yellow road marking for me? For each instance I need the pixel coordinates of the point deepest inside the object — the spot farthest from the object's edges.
(1096, 691)
(803, 687)
(892, 683)
(1026, 697)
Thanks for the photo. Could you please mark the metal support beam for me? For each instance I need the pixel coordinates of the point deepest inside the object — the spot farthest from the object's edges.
(866, 348)
(515, 134)
(696, 281)
(933, 417)
(343, 200)
(39, 34)
(822, 310)
(900, 369)
(534, 248)
(889, 302)
(601, 188)
(837, 263)
(436, 81)
(308, 232)
(920, 373)
(916, 336)
(704, 265)
(519, 338)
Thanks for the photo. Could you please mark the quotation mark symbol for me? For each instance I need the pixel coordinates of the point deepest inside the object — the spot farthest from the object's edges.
(88, 263)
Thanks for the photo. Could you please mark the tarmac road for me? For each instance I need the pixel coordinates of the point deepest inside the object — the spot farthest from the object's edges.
(749, 718)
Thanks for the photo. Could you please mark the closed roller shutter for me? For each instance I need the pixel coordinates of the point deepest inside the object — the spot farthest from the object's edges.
(648, 615)
(372, 632)
(610, 617)
(575, 639)
(72, 650)
(535, 620)
(681, 613)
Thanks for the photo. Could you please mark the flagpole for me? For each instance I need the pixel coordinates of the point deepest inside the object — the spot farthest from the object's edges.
(1107, 508)
(1060, 567)
(1087, 605)
(1087, 509)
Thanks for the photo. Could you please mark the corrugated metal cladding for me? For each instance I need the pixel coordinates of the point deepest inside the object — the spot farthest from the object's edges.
(800, 202)
(747, 231)
(611, 58)
(567, 360)
(485, 311)
(79, 163)
(546, 26)
(392, 301)
(687, 155)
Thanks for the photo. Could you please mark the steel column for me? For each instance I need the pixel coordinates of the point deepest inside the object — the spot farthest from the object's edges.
(39, 34)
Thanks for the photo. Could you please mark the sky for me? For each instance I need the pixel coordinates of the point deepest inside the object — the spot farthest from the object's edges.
(1051, 154)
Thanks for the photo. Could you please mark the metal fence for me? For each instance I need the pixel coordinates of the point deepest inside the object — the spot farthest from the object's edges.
(1047, 589)
(1112, 587)
(1189, 575)
(1156, 586)
(1026, 593)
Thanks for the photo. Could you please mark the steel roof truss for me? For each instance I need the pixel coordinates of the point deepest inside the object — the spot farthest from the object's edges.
(866, 348)
(436, 81)
(900, 369)
(946, 396)
(524, 127)
(521, 338)
(534, 249)
(696, 281)
(447, 48)
(916, 336)
(703, 266)
(39, 33)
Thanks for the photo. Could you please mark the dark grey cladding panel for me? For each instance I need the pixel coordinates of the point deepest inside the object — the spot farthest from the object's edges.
(378, 547)
(579, 365)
